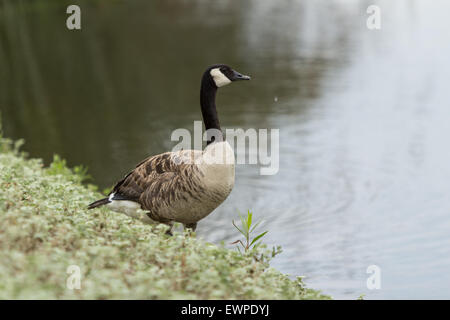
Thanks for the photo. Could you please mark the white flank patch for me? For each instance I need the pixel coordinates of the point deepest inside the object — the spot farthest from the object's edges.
(130, 208)
(219, 78)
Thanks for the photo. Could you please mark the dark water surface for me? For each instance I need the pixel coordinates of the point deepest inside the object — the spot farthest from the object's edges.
(363, 116)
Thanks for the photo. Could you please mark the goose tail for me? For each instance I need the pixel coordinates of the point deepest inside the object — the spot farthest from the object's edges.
(99, 203)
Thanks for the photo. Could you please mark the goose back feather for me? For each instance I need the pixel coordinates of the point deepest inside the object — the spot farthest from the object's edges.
(182, 186)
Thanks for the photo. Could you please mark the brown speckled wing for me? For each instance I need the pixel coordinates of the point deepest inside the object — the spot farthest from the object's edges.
(160, 180)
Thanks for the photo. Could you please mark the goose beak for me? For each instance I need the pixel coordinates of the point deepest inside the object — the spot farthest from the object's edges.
(238, 76)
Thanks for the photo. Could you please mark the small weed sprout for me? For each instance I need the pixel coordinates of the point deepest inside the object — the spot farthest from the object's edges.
(246, 229)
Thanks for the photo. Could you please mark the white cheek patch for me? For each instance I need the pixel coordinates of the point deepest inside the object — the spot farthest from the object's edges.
(219, 78)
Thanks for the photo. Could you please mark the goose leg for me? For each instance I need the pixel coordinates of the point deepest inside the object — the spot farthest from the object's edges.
(191, 226)
(169, 231)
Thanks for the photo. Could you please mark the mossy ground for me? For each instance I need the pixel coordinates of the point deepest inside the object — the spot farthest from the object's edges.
(45, 228)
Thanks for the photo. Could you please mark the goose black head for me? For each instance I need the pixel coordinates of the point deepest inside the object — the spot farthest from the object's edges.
(221, 74)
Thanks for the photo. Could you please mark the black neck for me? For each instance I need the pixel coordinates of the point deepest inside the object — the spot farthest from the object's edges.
(208, 103)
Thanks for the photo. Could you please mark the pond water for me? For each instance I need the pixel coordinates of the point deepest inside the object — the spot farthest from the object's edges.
(363, 116)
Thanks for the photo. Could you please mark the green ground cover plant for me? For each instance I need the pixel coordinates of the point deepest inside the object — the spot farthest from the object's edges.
(45, 228)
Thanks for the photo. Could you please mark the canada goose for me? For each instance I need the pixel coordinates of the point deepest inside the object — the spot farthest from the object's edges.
(182, 186)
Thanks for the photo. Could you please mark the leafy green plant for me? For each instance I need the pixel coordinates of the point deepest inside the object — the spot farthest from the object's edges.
(7, 144)
(59, 166)
(246, 230)
(82, 172)
(107, 190)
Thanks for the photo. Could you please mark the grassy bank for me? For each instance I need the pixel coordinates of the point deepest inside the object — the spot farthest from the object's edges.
(45, 228)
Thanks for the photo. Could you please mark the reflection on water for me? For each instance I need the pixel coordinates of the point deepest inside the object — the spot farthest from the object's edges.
(364, 167)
